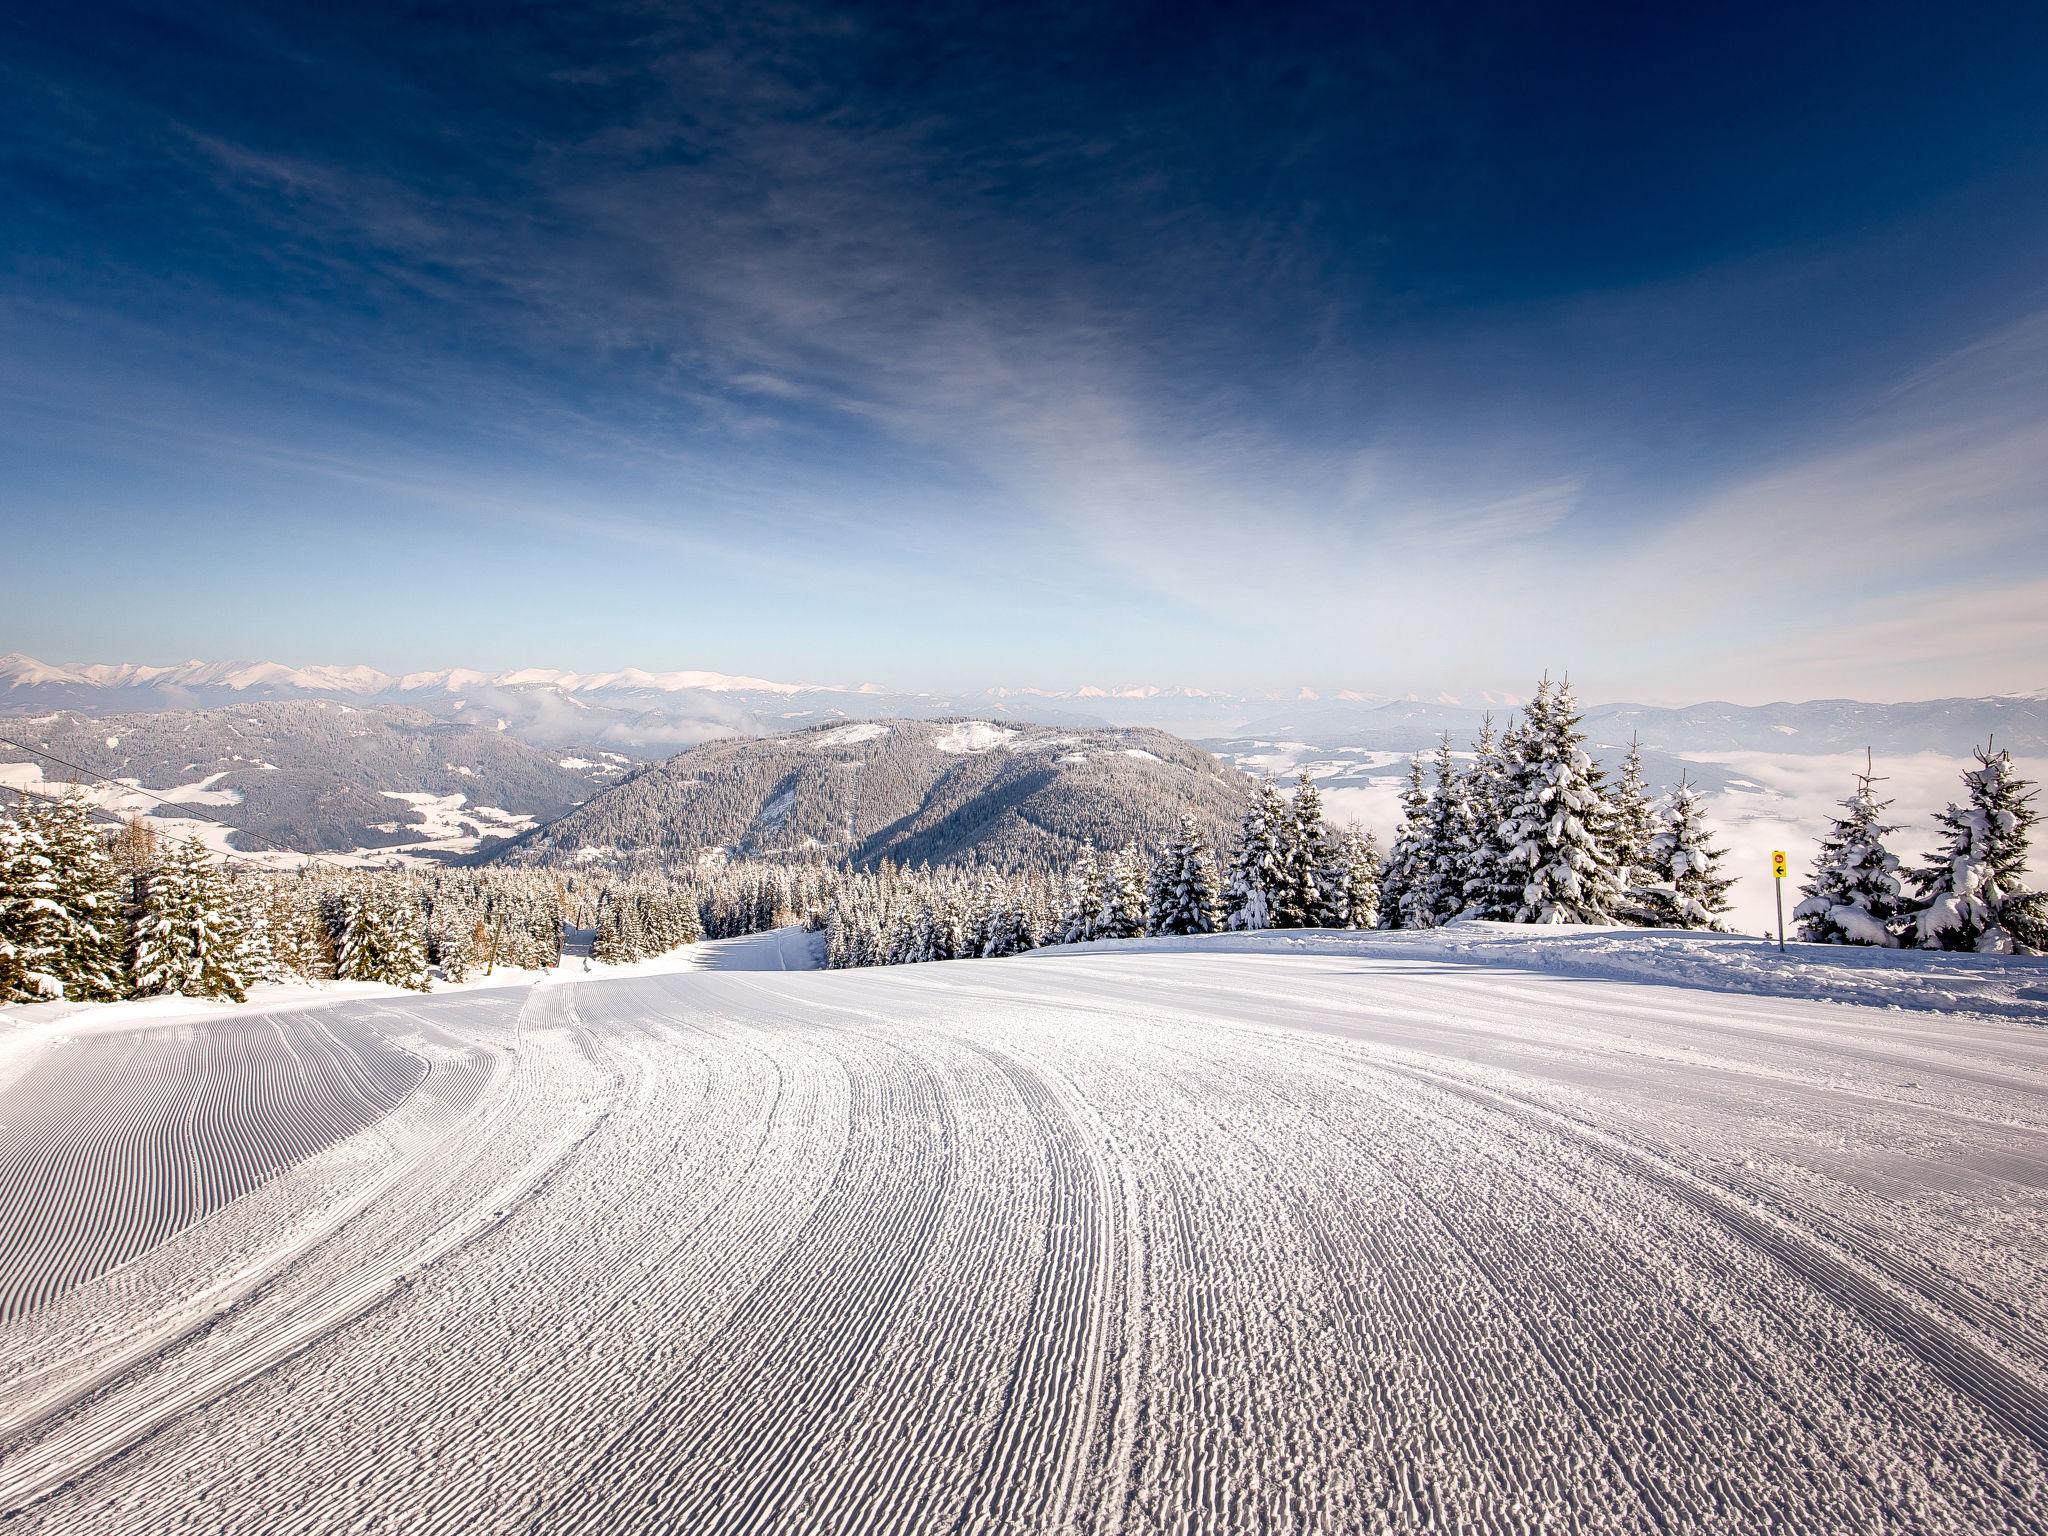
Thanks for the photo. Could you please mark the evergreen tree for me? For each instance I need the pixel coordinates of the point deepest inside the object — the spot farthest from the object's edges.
(1557, 836)
(1082, 919)
(1854, 895)
(1123, 896)
(608, 943)
(1355, 880)
(256, 958)
(1635, 824)
(1403, 870)
(1305, 899)
(188, 939)
(1434, 892)
(1969, 894)
(382, 934)
(1183, 897)
(32, 923)
(90, 892)
(1683, 886)
(1493, 886)
(1007, 930)
(1478, 853)
(1258, 865)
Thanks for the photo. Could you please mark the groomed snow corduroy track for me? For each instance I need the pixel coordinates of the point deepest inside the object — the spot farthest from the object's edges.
(113, 1141)
(1200, 1239)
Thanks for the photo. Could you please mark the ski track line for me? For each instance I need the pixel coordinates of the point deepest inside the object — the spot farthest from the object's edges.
(1134, 1243)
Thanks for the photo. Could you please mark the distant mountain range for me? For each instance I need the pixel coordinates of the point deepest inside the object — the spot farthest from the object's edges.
(910, 791)
(650, 714)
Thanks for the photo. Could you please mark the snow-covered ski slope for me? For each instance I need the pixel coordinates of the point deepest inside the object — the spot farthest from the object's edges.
(1334, 1234)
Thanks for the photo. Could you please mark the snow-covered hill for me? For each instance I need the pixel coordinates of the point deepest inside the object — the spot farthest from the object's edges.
(910, 791)
(1260, 1234)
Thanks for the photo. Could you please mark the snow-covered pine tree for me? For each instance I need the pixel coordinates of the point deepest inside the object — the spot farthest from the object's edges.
(1006, 930)
(188, 938)
(31, 920)
(1558, 829)
(1123, 896)
(92, 896)
(608, 943)
(1402, 870)
(299, 935)
(949, 922)
(1970, 895)
(1183, 897)
(1354, 880)
(1258, 865)
(1681, 884)
(1305, 899)
(1435, 890)
(382, 934)
(1855, 893)
(1493, 888)
(1635, 823)
(257, 957)
(1485, 790)
(1082, 918)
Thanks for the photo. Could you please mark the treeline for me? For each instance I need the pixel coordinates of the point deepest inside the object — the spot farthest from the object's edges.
(89, 917)
(1529, 830)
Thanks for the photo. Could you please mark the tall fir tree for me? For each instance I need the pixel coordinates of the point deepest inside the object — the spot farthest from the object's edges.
(31, 920)
(256, 954)
(1355, 880)
(1635, 824)
(382, 935)
(1493, 886)
(1971, 893)
(1402, 872)
(1558, 832)
(1305, 899)
(1681, 884)
(1435, 892)
(188, 939)
(1123, 895)
(1183, 897)
(1479, 849)
(1258, 865)
(93, 896)
(1082, 919)
(1855, 894)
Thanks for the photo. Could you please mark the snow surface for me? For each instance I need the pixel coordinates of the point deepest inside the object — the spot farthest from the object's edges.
(972, 736)
(448, 824)
(850, 735)
(1309, 1232)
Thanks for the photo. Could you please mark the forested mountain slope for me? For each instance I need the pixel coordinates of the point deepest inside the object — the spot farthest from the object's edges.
(913, 791)
(313, 775)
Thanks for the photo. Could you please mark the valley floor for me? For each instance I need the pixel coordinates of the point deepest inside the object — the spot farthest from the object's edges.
(1315, 1232)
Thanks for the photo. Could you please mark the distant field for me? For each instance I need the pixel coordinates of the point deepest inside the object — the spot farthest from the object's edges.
(1323, 1233)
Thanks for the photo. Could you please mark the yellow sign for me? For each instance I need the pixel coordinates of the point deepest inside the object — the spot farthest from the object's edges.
(1777, 863)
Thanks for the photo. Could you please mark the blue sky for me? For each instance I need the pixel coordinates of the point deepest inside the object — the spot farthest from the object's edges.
(1390, 347)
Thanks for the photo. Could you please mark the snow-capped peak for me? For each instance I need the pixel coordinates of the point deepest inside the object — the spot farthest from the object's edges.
(17, 670)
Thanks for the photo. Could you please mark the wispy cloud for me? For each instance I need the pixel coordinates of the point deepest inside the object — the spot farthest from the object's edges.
(733, 291)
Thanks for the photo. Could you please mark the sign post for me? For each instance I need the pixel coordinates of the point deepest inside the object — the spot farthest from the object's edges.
(1778, 886)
